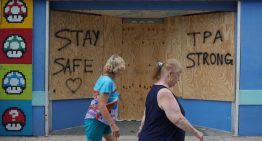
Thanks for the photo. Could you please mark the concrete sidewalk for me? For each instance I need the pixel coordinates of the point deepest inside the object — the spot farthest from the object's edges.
(123, 138)
(128, 131)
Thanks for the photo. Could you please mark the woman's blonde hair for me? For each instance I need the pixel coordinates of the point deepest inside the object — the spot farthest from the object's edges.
(114, 64)
(169, 64)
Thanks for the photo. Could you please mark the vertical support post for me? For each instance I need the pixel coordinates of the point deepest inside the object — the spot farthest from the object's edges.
(237, 68)
(46, 70)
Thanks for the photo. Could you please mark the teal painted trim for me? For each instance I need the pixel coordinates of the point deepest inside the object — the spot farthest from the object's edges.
(250, 97)
(38, 98)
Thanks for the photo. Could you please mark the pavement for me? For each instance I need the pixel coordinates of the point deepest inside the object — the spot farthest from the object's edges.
(128, 133)
(123, 138)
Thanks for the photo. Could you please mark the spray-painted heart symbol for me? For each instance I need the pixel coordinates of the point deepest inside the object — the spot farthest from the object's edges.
(73, 84)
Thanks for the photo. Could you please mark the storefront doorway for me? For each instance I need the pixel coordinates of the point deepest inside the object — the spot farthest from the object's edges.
(204, 42)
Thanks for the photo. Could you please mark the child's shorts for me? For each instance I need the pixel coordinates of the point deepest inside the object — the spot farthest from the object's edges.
(95, 129)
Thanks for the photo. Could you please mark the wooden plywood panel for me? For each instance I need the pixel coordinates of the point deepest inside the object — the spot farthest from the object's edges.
(76, 54)
(112, 36)
(174, 46)
(208, 54)
(129, 85)
(143, 46)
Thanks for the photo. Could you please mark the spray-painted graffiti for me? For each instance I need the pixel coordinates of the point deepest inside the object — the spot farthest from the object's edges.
(75, 39)
(73, 84)
(207, 58)
(205, 35)
(88, 37)
(72, 65)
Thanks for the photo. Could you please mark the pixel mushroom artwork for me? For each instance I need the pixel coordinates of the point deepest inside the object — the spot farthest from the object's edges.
(14, 83)
(15, 11)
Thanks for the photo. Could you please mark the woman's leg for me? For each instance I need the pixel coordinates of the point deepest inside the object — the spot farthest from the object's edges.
(110, 137)
(93, 129)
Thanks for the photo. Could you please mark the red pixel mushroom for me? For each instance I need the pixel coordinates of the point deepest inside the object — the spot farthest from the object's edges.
(15, 11)
(13, 119)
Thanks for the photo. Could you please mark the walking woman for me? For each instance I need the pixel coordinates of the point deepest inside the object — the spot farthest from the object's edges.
(100, 118)
(164, 117)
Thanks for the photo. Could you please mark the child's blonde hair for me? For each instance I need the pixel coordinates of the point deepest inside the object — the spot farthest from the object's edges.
(114, 64)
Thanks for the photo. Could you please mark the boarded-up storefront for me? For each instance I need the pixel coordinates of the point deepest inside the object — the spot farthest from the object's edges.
(81, 43)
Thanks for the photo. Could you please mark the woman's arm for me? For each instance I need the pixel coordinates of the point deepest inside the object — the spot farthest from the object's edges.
(142, 123)
(103, 98)
(168, 103)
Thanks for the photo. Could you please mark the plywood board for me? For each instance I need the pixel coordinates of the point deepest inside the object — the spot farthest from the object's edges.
(174, 47)
(143, 46)
(207, 77)
(76, 54)
(208, 54)
(112, 36)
